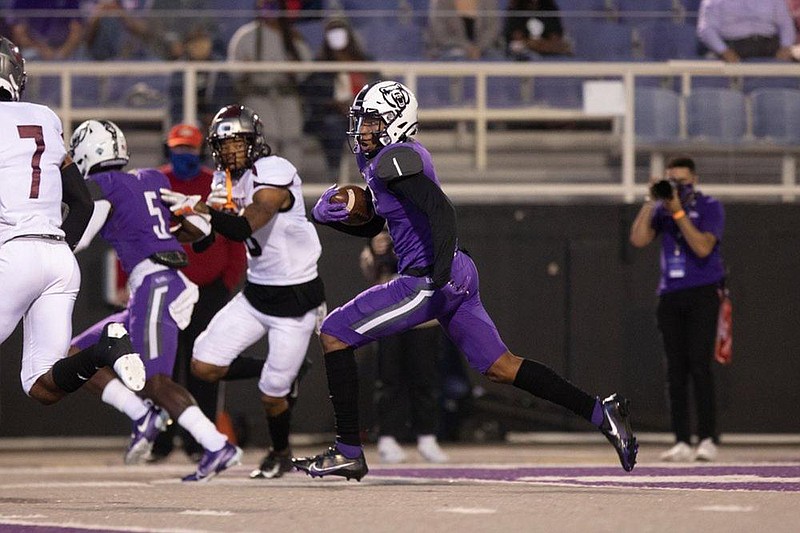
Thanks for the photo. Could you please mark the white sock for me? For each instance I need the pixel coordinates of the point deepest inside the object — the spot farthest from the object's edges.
(124, 400)
(202, 429)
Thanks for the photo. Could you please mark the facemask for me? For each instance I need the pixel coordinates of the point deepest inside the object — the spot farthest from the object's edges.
(685, 192)
(185, 166)
(337, 38)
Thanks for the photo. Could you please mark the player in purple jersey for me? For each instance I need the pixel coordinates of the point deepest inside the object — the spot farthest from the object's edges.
(437, 281)
(129, 215)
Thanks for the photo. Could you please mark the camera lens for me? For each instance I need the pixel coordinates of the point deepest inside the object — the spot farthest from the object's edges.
(661, 190)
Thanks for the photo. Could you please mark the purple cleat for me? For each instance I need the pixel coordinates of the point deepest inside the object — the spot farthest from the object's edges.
(212, 463)
(145, 431)
(616, 427)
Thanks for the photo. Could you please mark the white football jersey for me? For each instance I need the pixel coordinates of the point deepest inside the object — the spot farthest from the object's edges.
(286, 250)
(31, 152)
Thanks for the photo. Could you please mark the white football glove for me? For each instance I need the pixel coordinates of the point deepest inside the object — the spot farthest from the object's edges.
(180, 204)
(183, 205)
(218, 197)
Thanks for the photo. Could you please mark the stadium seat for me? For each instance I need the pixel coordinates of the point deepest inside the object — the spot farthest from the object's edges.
(604, 41)
(558, 92)
(657, 115)
(776, 115)
(751, 83)
(636, 11)
(313, 32)
(716, 115)
(392, 40)
(664, 40)
(505, 91)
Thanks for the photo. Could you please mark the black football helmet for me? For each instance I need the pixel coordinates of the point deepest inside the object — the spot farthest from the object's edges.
(237, 121)
(12, 71)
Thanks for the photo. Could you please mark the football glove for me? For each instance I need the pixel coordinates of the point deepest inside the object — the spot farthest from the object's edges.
(325, 211)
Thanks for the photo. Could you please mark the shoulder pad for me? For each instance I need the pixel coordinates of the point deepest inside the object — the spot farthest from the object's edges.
(398, 162)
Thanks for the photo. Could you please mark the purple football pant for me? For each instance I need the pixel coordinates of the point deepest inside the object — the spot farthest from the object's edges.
(154, 334)
(408, 301)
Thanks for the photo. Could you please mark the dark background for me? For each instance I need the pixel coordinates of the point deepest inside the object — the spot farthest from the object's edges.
(564, 287)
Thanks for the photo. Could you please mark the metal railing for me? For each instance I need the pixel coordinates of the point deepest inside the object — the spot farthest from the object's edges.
(479, 113)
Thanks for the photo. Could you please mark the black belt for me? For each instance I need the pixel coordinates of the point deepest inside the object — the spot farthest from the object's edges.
(45, 236)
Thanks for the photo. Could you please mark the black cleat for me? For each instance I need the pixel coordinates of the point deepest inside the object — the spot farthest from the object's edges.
(333, 463)
(274, 465)
(617, 429)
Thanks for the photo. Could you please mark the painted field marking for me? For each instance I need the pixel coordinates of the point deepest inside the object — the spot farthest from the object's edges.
(466, 510)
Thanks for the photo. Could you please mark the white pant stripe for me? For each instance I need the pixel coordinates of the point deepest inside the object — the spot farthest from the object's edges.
(377, 321)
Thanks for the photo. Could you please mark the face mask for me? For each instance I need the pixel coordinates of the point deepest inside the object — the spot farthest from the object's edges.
(185, 166)
(685, 192)
(337, 38)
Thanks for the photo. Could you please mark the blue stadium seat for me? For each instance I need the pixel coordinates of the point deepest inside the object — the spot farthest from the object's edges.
(636, 11)
(604, 41)
(392, 40)
(776, 115)
(752, 83)
(436, 91)
(657, 115)
(664, 40)
(313, 32)
(505, 91)
(716, 115)
(558, 92)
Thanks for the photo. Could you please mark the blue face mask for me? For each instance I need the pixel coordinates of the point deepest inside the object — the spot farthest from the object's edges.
(185, 166)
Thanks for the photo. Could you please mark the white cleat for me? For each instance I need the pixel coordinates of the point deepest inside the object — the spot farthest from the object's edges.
(131, 372)
(680, 453)
(706, 450)
(390, 451)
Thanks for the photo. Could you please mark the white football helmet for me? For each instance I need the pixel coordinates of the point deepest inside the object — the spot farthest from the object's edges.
(98, 143)
(390, 101)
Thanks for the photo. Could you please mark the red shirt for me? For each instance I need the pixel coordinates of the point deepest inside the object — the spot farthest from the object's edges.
(224, 259)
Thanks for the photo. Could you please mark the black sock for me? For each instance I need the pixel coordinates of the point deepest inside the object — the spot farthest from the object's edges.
(342, 372)
(540, 380)
(72, 372)
(244, 368)
(279, 430)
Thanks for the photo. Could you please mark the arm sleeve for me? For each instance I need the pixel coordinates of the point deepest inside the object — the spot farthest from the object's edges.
(102, 208)
(429, 198)
(234, 227)
(77, 197)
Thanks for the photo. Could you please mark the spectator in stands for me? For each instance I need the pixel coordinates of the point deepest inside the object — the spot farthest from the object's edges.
(464, 29)
(274, 96)
(691, 226)
(114, 32)
(214, 89)
(328, 95)
(744, 29)
(57, 36)
(794, 10)
(407, 370)
(530, 35)
(169, 30)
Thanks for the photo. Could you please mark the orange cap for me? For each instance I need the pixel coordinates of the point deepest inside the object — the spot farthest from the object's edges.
(184, 135)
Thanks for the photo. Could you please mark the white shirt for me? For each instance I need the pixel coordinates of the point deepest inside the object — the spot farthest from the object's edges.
(285, 251)
(31, 153)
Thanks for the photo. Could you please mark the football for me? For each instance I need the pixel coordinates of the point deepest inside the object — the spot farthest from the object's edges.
(359, 207)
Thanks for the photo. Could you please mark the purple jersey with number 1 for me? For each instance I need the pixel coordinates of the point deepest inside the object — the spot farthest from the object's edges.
(410, 300)
(137, 228)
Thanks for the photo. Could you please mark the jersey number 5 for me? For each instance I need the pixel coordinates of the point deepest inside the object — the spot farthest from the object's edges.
(35, 133)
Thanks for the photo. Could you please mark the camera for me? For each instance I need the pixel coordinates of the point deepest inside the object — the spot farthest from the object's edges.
(662, 190)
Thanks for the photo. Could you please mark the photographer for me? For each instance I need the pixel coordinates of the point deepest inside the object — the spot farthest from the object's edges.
(691, 226)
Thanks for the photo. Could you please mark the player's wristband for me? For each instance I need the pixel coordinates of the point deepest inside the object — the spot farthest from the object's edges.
(678, 215)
